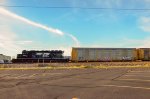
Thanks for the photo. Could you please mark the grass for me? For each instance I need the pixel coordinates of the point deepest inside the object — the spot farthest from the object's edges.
(71, 67)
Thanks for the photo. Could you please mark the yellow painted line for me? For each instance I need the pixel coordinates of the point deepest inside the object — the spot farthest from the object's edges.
(135, 80)
(145, 88)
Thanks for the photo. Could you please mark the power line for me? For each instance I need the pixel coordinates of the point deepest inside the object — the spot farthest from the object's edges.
(67, 7)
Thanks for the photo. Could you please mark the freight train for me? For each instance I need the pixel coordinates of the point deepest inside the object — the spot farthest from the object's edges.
(85, 55)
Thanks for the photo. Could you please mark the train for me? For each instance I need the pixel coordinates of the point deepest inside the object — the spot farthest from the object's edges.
(80, 54)
(44, 56)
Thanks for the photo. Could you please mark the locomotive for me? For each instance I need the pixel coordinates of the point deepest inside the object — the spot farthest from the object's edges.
(45, 56)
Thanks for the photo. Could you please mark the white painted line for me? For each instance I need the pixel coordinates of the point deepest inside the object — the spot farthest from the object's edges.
(45, 74)
(33, 75)
(53, 73)
(3, 75)
(11, 75)
(140, 71)
(136, 75)
(135, 80)
(19, 76)
(118, 86)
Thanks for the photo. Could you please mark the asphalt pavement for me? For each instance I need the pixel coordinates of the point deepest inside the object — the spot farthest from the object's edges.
(113, 83)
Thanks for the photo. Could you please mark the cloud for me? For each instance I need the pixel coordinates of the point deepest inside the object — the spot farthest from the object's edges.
(2, 1)
(8, 13)
(146, 1)
(77, 43)
(143, 43)
(7, 41)
(25, 20)
(145, 24)
(24, 42)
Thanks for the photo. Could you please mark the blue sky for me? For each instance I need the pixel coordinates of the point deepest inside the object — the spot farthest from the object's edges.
(87, 27)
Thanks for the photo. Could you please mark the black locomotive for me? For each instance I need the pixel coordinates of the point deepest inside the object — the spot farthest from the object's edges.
(44, 56)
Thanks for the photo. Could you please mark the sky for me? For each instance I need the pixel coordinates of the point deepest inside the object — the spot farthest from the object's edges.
(37, 26)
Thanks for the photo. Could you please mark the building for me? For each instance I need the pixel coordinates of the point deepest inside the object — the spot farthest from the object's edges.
(4, 59)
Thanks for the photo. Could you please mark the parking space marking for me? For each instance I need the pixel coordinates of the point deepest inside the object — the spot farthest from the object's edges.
(135, 75)
(19, 76)
(4, 75)
(10, 76)
(135, 80)
(118, 86)
(48, 74)
(140, 71)
(33, 75)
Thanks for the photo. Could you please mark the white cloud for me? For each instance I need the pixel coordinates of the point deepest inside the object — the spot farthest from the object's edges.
(145, 24)
(2, 1)
(25, 20)
(67, 50)
(7, 41)
(138, 43)
(77, 43)
(24, 42)
(146, 1)
(8, 13)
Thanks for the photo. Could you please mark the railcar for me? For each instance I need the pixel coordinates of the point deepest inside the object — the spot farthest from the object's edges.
(104, 54)
(144, 54)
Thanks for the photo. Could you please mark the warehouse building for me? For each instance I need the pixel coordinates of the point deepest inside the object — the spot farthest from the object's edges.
(4, 59)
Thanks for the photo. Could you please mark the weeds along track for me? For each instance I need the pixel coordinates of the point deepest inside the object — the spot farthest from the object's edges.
(80, 64)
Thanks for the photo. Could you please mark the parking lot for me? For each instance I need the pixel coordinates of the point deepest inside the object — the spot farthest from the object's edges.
(113, 83)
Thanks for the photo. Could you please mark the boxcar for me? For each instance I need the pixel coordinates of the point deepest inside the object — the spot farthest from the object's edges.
(144, 54)
(104, 54)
